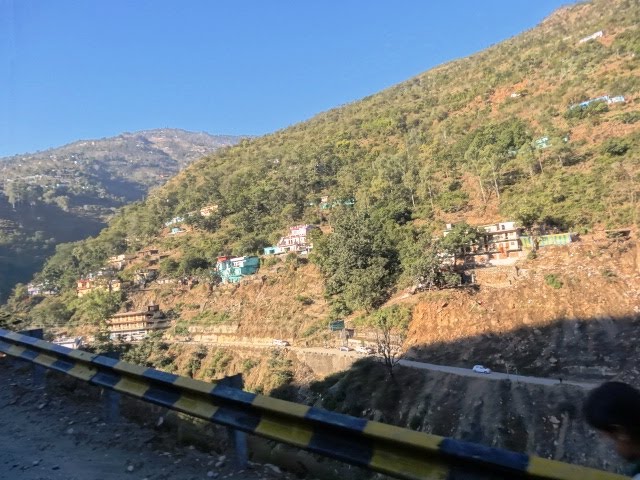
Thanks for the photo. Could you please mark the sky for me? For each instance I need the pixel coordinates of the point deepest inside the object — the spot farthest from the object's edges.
(80, 69)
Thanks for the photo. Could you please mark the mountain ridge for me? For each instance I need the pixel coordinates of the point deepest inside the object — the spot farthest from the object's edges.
(80, 185)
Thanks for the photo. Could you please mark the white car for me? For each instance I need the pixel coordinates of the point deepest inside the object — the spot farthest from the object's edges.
(281, 343)
(481, 369)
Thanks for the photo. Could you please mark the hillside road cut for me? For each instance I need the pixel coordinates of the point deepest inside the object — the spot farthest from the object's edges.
(466, 372)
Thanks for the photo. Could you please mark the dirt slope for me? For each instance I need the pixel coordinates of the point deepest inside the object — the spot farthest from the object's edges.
(573, 311)
(541, 420)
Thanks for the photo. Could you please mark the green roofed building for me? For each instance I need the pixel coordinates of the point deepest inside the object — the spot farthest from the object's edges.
(547, 240)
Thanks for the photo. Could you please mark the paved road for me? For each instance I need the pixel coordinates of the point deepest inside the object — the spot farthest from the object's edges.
(466, 372)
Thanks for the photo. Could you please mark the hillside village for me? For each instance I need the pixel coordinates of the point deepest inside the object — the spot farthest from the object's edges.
(498, 244)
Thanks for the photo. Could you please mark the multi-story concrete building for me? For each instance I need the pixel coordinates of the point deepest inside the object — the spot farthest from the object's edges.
(132, 326)
(498, 238)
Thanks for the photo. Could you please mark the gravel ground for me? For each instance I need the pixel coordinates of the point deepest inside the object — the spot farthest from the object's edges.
(48, 436)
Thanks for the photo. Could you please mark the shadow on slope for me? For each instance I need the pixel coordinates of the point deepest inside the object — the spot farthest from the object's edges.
(535, 419)
(30, 234)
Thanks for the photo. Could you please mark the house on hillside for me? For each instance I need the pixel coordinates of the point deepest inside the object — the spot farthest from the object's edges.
(34, 289)
(119, 262)
(297, 241)
(174, 221)
(325, 204)
(144, 275)
(91, 284)
(232, 269)
(208, 210)
(593, 36)
(275, 250)
(498, 241)
(542, 142)
(134, 326)
(149, 252)
(603, 99)
(502, 237)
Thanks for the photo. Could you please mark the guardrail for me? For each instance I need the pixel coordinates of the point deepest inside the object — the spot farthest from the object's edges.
(395, 451)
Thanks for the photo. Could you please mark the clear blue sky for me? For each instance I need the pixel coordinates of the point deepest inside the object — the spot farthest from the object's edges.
(93, 68)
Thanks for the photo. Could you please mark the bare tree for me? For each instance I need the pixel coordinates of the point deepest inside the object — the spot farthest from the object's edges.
(390, 326)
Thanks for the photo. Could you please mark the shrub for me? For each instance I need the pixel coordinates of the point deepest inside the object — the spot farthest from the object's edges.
(615, 146)
(591, 110)
(608, 273)
(269, 262)
(553, 281)
(452, 202)
(304, 300)
(248, 365)
(629, 117)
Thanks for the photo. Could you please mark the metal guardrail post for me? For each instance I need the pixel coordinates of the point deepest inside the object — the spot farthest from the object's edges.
(111, 398)
(238, 438)
(38, 372)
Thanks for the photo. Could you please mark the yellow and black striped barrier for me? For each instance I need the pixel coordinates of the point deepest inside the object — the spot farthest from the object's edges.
(395, 451)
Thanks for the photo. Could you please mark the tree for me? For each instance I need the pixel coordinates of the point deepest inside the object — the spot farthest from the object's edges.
(52, 311)
(16, 192)
(390, 325)
(424, 266)
(359, 259)
(459, 239)
(96, 307)
(529, 218)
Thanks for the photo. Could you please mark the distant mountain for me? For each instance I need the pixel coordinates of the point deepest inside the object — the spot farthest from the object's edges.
(67, 193)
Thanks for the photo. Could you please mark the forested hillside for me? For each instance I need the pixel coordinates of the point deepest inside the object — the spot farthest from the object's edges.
(68, 193)
(498, 135)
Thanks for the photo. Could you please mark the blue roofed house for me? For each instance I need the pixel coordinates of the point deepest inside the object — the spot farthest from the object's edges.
(231, 270)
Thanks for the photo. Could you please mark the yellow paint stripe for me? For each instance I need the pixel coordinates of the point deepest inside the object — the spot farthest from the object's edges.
(15, 350)
(131, 386)
(81, 355)
(410, 462)
(551, 469)
(14, 336)
(45, 360)
(197, 385)
(402, 436)
(280, 406)
(283, 420)
(400, 450)
(129, 368)
(195, 406)
(82, 371)
(291, 432)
